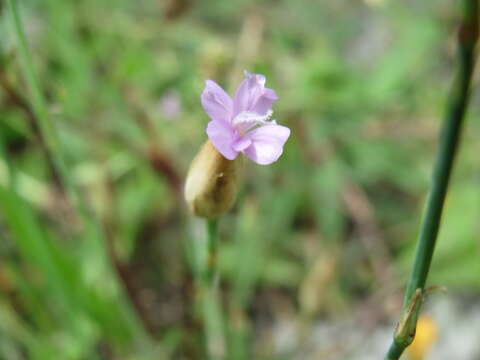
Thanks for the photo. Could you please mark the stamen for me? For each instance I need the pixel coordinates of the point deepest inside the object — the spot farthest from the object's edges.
(246, 120)
(248, 116)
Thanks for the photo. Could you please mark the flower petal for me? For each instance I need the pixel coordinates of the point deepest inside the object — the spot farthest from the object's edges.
(251, 92)
(223, 135)
(216, 102)
(265, 101)
(242, 143)
(267, 143)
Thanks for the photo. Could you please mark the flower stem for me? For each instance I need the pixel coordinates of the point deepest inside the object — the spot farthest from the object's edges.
(449, 141)
(212, 244)
(212, 308)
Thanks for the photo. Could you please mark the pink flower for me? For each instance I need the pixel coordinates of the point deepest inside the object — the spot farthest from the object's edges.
(170, 105)
(243, 124)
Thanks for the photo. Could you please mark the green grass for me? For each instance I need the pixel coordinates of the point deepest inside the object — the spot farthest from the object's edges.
(363, 89)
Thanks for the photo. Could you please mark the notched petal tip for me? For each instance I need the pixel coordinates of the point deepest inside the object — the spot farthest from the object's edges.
(216, 102)
(251, 95)
(209, 84)
(257, 78)
(270, 94)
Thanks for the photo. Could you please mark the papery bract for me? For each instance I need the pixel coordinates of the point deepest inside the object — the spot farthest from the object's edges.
(243, 124)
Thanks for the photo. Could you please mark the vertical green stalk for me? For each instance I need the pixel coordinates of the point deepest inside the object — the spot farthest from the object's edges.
(212, 309)
(47, 128)
(449, 142)
(11, 171)
(56, 152)
(212, 244)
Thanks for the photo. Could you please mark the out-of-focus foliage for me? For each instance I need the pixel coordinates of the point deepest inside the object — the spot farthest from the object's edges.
(362, 85)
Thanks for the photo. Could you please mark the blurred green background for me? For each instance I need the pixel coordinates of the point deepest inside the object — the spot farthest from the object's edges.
(324, 234)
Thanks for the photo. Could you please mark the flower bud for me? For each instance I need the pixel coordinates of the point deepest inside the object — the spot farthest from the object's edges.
(212, 182)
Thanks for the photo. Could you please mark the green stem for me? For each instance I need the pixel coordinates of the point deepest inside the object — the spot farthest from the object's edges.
(212, 309)
(212, 244)
(47, 128)
(55, 151)
(449, 142)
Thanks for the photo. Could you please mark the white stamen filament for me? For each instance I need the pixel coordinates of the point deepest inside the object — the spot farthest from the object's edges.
(246, 120)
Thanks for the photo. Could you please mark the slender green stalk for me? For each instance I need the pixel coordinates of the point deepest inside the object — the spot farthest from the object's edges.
(11, 171)
(212, 309)
(449, 143)
(47, 128)
(56, 152)
(212, 243)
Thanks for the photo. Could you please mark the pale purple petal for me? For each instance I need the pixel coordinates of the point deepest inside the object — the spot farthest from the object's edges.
(242, 143)
(240, 101)
(265, 101)
(251, 92)
(223, 136)
(216, 102)
(267, 143)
